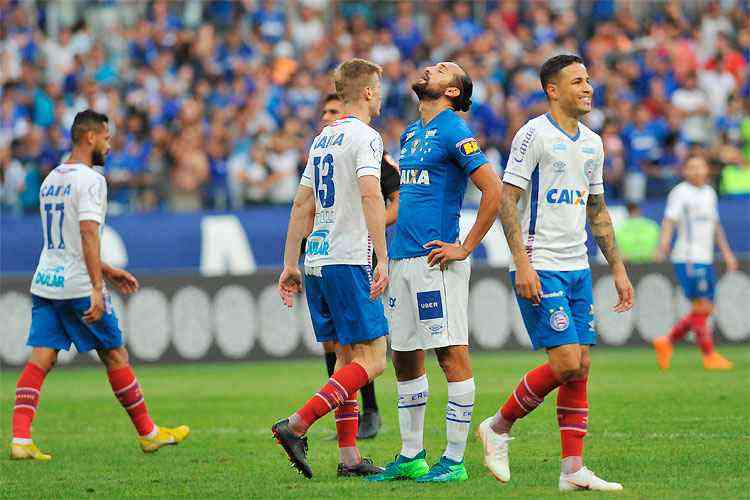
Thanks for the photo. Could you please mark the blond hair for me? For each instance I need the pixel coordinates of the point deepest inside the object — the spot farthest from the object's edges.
(354, 75)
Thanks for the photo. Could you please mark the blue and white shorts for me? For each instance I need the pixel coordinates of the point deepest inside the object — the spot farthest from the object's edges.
(566, 312)
(427, 308)
(697, 280)
(341, 310)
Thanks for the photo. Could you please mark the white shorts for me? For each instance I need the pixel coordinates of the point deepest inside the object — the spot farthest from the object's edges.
(427, 308)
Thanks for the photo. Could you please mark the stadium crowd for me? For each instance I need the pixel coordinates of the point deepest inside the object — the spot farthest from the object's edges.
(212, 104)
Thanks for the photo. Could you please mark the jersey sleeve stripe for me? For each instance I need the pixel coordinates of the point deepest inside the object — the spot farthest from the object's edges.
(367, 166)
(516, 180)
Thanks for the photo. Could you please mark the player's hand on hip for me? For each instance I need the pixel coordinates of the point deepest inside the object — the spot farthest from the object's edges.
(380, 279)
(444, 253)
(124, 281)
(624, 292)
(528, 285)
(290, 283)
(96, 310)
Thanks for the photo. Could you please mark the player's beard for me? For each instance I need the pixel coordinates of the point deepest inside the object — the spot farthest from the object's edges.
(424, 93)
(97, 158)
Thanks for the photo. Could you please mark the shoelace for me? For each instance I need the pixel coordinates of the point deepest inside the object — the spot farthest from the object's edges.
(499, 445)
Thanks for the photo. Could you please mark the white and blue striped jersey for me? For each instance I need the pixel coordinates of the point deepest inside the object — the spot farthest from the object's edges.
(343, 152)
(695, 211)
(71, 193)
(558, 172)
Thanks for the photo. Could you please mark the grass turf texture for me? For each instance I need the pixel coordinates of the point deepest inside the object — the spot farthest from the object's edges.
(678, 434)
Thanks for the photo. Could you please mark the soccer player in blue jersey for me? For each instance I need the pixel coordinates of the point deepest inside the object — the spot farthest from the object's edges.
(427, 298)
(555, 172)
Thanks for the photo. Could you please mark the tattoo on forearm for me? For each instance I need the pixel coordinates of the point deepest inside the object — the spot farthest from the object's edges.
(509, 219)
(602, 229)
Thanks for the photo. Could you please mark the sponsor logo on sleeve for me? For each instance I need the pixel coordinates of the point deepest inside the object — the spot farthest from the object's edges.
(468, 146)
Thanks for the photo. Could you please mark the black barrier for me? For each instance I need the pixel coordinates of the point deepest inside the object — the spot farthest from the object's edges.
(194, 318)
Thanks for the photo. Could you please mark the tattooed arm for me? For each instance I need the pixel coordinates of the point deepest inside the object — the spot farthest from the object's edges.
(604, 233)
(528, 285)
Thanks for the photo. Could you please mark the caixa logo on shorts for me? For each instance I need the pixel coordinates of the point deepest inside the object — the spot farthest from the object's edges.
(558, 320)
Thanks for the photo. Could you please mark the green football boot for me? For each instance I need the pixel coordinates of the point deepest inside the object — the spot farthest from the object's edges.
(446, 470)
(403, 468)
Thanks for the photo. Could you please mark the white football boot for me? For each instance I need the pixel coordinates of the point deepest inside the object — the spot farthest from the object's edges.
(584, 479)
(495, 450)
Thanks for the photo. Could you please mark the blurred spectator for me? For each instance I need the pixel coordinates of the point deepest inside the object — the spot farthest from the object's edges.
(213, 104)
(735, 175)
(637, 236)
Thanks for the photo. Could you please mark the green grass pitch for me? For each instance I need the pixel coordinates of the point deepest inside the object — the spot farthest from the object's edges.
(681, 434)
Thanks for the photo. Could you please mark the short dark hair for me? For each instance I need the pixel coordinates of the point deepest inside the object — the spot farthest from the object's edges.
(462, 102)
(333, 96)
(86, 121)
(552, 67)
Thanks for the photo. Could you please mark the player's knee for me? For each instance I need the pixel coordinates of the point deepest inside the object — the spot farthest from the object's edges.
(567, 367)
(44, 358)
(114, 358)
(373, 365)
(585, 365)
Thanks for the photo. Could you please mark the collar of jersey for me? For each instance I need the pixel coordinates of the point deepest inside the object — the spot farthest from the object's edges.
(424, 125)
(571, 137)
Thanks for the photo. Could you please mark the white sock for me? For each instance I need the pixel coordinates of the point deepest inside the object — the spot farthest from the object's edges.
(23, 441)
(412, 401)
(153, 433)
(458, 417)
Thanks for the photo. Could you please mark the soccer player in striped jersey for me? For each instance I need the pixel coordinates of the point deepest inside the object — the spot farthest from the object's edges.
(369, 422)
(70, 303)
(555, 172)
(692, 209)
(340, 197)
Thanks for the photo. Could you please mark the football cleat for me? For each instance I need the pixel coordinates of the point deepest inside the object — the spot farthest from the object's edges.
(495, 450)
(362, 469)
(28, 452)
(664, 349)
(294, 446)
(584, 479)
(164, 437)
(403, 468)
(716, 361)
(445, 471)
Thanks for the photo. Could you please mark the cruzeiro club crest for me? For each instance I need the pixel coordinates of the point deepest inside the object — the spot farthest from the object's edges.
(558, 319)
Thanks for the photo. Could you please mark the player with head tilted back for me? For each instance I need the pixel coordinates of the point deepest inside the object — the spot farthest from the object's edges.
(369, 422)
(693, 209)
(429, 291)
(340, 198)
(555, 171)
(70, 303)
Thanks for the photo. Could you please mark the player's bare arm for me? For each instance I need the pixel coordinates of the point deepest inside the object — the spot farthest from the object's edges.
(303, 211)
(373, 207)
(121, 279)
(604, 233)
(527, 281)
(91, 255)
(487, 181)
(726, 251)
(665, 240)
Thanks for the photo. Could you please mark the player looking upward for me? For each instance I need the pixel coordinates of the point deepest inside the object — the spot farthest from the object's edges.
(692, 207)
(429, 291)
(555, 171)
(70, 302)
(369, 422)
(339, 195)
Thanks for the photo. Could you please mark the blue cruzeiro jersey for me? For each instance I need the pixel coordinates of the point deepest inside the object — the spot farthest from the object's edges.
(436, 161)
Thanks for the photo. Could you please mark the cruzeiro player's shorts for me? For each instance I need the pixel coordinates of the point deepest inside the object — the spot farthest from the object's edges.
(566, 312)
(58, 323)
(341, 310)
(697, 280)
(427, 308)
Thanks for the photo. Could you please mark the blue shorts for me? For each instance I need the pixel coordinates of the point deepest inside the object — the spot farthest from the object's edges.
(565, 295)
(697, 280)
(58, 323)
(340, 306)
